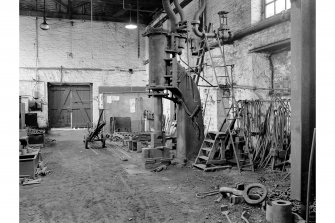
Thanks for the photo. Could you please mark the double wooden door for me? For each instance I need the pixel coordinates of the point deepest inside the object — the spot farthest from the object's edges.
(69, 105)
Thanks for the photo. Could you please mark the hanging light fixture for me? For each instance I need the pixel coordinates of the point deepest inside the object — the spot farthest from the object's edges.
(44, 25)
(131, 25)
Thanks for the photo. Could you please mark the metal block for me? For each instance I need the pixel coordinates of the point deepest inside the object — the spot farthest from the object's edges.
(224, 207)
(235, 199)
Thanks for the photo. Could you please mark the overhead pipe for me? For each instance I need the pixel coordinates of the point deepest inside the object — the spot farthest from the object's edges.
(180, 10)
(196, 22)
(172, 17)
(139, 10)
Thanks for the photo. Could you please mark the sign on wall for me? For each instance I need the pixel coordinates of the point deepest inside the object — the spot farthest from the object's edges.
(101, 101)
(112, 98)
(132, 103)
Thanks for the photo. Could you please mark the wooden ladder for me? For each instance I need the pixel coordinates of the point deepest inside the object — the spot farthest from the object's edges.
(224, 138)
(213, 143)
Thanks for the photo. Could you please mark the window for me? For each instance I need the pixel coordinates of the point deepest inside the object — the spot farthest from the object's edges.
(272, 7)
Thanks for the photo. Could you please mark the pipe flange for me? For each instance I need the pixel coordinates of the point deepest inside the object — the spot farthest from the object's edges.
(251, 186)
(155, 31)
(194, 22)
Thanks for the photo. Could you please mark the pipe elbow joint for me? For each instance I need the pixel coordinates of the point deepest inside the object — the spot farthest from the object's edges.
(195, 22)
(195, 29)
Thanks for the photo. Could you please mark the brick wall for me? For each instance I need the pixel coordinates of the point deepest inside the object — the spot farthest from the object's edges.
(251, 69)
(76, 54)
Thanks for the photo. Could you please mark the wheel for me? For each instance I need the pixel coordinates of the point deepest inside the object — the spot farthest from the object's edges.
(103, 140)
(86, 144)
(251, 186)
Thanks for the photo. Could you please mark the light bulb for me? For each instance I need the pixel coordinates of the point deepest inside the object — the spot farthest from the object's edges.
(44, 25)
(131, 26)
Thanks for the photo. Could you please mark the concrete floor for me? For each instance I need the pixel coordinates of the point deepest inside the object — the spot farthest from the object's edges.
(94, 185)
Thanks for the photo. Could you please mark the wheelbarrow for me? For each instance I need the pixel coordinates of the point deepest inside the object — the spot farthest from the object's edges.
(96, 134)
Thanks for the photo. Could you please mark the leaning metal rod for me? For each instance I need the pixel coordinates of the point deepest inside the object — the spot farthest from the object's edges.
(311, 157)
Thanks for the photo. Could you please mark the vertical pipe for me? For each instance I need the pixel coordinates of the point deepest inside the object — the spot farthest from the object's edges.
(180, 10)
(138, 29)
(172, 17)
(157, 70)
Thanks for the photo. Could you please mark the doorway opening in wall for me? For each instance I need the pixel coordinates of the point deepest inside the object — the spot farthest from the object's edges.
(70, 105)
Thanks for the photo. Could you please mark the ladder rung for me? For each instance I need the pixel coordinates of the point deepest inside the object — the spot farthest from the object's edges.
(200, 166)
(231, 108)
(210, 140)
(208, 149)
(224, 76)
(203, 157)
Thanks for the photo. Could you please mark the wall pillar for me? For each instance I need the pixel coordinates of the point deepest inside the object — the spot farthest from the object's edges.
(303, 93)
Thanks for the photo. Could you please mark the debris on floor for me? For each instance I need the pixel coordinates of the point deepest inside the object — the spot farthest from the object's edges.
(123, 158)
(27, 181)
(160, 168)
(42, 169)
(238, 196)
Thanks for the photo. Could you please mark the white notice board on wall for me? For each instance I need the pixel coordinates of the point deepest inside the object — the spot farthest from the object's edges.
(111, 98)
(101, 101)
(132, 103)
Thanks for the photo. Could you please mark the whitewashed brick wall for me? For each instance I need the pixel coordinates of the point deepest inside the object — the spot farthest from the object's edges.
(99, 53)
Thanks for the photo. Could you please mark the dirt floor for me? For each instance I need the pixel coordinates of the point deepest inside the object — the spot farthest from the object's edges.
(95, 185)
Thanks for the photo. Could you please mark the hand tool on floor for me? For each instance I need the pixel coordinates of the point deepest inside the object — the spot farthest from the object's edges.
(225, 212)
(244, 193)
(245, 216)
(29, 181)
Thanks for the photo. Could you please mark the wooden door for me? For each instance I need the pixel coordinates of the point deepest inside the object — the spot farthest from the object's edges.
(69, 105)
(81, 106)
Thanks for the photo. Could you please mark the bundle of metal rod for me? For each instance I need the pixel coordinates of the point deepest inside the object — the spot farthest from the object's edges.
(273, 143)
(266, 126)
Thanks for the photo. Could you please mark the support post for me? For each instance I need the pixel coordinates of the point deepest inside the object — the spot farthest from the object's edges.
(303, 93)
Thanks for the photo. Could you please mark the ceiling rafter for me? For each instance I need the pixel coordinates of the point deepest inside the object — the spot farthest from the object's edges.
(111, 10)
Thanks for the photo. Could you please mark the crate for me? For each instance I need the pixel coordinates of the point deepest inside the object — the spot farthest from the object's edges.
(29, 163)
(36, 140)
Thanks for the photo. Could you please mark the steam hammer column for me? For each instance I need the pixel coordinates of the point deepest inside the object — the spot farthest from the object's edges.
(157, 71)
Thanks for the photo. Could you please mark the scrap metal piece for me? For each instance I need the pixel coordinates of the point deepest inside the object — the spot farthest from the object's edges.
(245, 216)
(248, 199)
(225, 213)
(219, 199)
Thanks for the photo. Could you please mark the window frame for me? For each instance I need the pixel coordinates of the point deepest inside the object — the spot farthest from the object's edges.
(264, 4)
